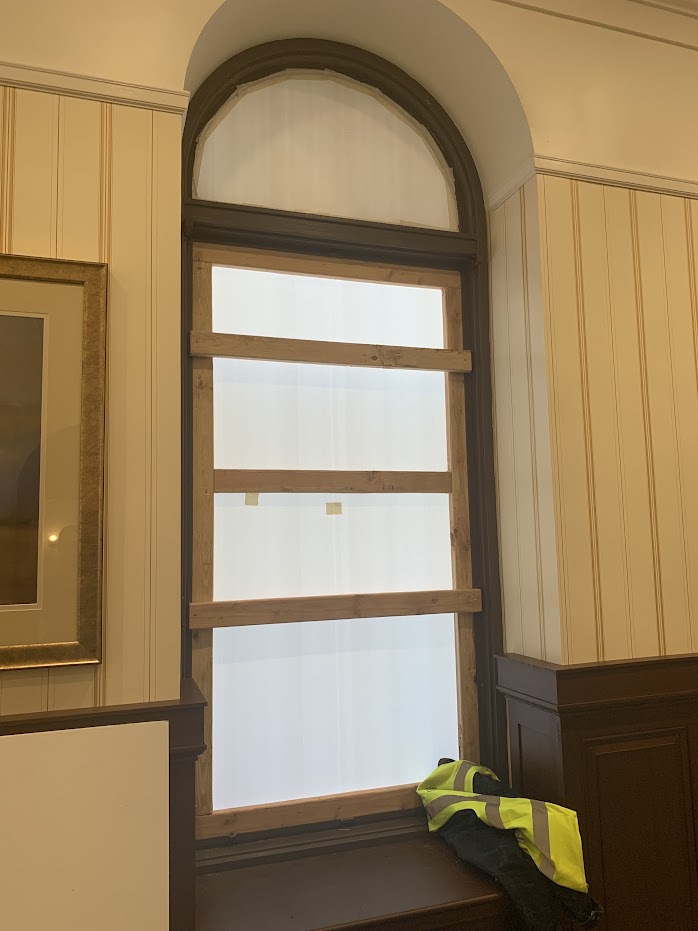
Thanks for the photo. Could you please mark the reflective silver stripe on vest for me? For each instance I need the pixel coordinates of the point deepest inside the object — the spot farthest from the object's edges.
(459, 778)
(493, 815)
(445, 801)
(541, 837)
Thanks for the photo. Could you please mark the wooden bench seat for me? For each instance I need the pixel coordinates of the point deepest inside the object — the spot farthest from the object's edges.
(413, 883)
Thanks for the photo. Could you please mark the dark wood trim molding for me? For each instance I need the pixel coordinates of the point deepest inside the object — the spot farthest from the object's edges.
(604, 739)
(333, 237)
(185, 717)
(464, 251)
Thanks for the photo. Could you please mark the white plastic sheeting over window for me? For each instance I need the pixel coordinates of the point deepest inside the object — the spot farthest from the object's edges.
(319, 143)
(259, 303)
(289, 546)
(301, 710)
(331, 706)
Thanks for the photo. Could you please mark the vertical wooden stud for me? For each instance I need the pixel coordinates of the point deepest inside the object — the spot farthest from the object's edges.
(468, 730)
(202, 525)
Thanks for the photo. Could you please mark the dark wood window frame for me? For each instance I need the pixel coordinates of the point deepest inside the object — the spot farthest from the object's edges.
(464, 251)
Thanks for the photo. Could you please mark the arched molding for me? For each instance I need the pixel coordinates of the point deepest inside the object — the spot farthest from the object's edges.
(274, 58)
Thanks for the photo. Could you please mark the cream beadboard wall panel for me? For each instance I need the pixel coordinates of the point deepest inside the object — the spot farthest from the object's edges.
(89, 180)
(524, 476)
(622, 324)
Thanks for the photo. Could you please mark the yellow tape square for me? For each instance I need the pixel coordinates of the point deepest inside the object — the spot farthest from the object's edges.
(333, 507)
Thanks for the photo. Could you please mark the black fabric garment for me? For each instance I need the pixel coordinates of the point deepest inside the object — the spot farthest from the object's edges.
(541, 904)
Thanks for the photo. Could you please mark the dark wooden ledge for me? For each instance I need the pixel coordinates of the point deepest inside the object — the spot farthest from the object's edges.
(411, 884)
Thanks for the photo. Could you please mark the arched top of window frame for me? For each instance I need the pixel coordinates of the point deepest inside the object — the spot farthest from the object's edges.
(228, 83)
(320, 143)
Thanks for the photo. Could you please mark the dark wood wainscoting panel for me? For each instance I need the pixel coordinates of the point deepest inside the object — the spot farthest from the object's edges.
(534, 741)
(617, 742)
(639, 800)
(185, 718)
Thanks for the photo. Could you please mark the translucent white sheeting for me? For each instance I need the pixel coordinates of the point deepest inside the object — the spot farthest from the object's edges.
(276, 415)
(273, 415)
(289, 545)
(327, 145)
(259, 303)
(302, 710)
(319, 708)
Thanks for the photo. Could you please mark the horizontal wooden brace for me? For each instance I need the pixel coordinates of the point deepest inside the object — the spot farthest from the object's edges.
(318, 352)
(229, 821)
(332, 608)
(343, 269)
(315, 480)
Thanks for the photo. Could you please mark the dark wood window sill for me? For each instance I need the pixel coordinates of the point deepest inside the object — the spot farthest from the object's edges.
(412, 883)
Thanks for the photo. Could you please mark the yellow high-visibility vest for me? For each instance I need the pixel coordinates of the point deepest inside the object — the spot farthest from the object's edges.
(549, 833)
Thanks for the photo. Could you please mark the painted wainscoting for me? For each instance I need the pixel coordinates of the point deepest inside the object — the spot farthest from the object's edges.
(619, 273)
(595, 346)
(95, 181)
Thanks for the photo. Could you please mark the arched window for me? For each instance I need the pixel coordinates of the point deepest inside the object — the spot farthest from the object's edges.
(340, 547)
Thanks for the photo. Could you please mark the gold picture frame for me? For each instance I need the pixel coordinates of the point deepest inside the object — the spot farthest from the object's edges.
(53, 314)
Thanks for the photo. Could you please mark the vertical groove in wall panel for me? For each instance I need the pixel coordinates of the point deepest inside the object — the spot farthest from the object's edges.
(682, 370)
(34, 194)
(77, 237)
(628, 363)
(605, 513)
(504, 434)
(639, 482)
(104, 255)
(79, 190)
(149, 490)
(660, 414)
(543, 490)
(515, 601)
(533, 455)
(586, 414)
(554, 406)
(7, 164)
(127, 476)
(577, 563)
(165, 606)
(522, 428)
(30, 207)
(691, 212)
(625, 568)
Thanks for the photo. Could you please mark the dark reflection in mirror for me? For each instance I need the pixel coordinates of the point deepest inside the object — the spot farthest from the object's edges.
(21, 364)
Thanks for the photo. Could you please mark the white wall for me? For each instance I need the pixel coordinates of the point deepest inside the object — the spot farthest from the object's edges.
(602, 82)
(84, 817)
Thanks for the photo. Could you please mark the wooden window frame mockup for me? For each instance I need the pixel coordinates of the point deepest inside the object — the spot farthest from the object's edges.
(205, 614)
(456, 261)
